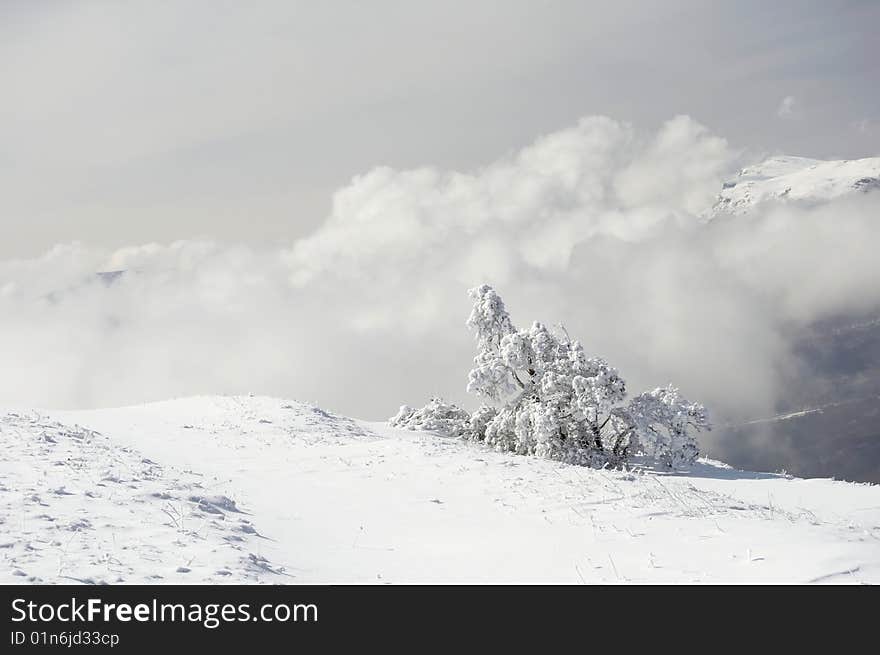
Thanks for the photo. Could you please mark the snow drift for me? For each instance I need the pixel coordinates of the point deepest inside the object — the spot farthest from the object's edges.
(256, 489)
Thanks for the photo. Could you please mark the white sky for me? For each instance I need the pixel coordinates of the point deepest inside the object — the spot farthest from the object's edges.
(124, 123)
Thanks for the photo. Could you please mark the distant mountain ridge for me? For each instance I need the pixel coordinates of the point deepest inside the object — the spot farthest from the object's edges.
(797, 179)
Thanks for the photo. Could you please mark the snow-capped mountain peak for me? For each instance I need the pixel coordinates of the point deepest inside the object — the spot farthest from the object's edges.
(796, 179)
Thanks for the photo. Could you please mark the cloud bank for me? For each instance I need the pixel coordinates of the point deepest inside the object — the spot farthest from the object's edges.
(787, 108)
(597, 226)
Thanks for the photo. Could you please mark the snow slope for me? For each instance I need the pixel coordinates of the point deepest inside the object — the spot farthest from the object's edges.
(254, 489)
(797, 179)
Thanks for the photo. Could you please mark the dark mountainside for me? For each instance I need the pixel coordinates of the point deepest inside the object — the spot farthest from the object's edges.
(829, 422)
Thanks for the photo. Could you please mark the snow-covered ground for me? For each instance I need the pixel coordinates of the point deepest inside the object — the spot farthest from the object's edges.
(796, 179)
(255, 489)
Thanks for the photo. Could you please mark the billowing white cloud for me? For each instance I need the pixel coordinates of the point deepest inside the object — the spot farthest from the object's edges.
(596, 226)
(134, 121)
(787, 108)
(524, 212)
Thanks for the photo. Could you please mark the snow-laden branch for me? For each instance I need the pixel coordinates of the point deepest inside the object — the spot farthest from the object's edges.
(549, 399)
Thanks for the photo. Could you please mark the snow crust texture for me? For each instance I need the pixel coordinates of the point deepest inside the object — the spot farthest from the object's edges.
(262, 490)
(75, 507)
(798, 179)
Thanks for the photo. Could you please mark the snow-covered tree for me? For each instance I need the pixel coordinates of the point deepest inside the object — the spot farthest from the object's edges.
(479, 420)
(436, 416)
(549, 399)
(491, 323)
(558, 403)
(665, 424)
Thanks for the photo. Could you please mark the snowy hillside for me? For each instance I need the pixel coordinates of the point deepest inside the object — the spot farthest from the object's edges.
(253, 489)
(798, 179)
